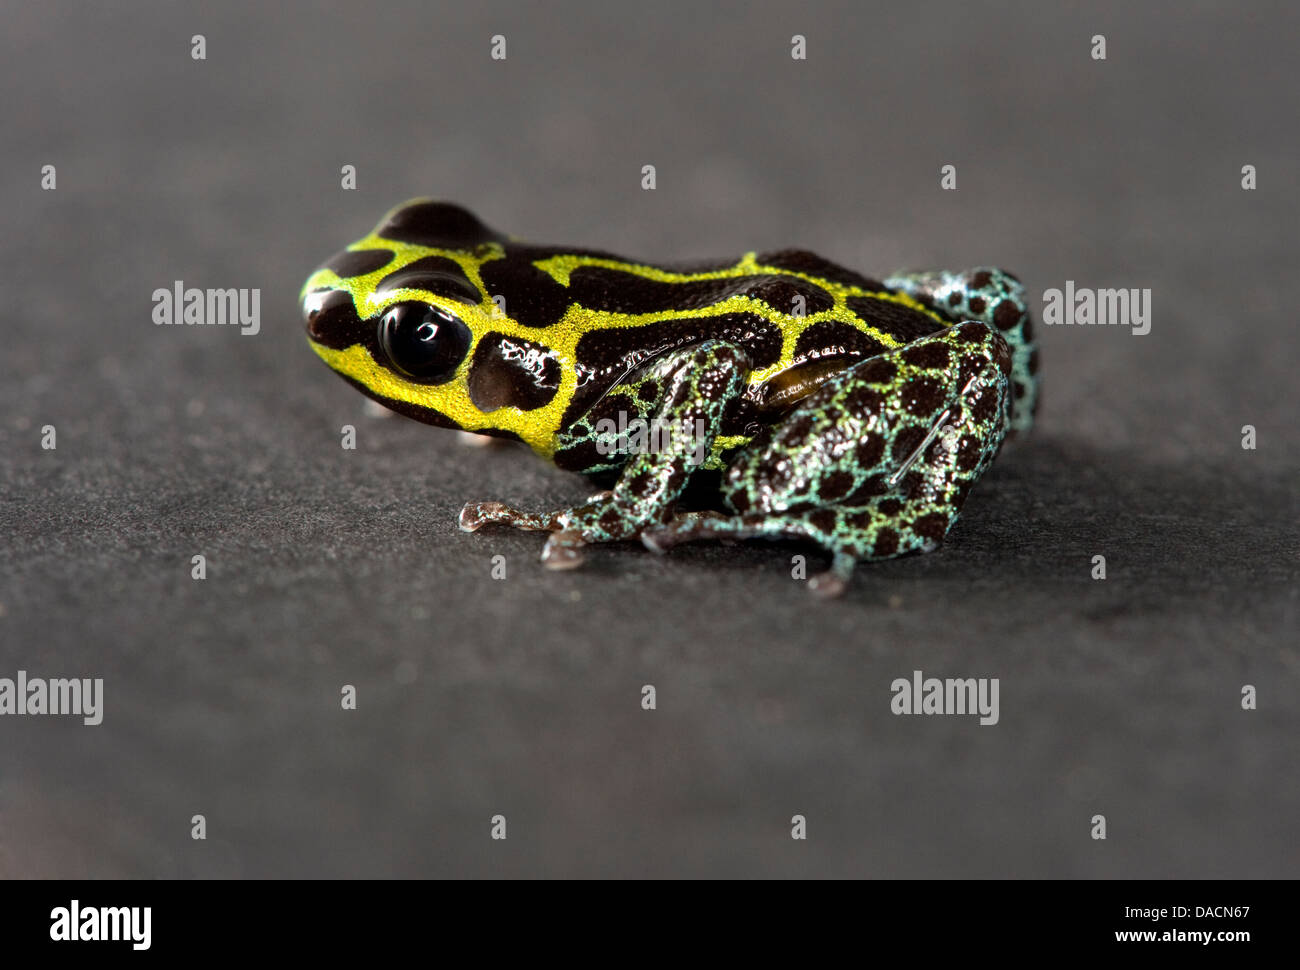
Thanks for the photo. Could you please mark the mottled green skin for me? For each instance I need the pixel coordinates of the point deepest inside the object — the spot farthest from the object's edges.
(867, 467)
(995, 297)
(875, 463)
(697, 383)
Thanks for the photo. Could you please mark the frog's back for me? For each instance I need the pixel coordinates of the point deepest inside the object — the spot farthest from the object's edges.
(788, 310)
(552, 331)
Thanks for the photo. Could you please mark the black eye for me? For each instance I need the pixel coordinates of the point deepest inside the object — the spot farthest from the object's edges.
(425, 343)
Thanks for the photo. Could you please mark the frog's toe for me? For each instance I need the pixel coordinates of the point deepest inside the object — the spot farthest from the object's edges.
(834, 581)
(658, 540)
(827, 586)
(661, 538)
(689, 527)
(563, 550)
(475, 515)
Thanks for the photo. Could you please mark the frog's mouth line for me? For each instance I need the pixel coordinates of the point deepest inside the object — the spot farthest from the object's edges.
(426, 415)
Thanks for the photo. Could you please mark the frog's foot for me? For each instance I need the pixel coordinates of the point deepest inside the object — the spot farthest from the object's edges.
(883, 529)
(601, 519)
(701, 526)
(563, 549)
(605, 517)
(695, 387)
(475, 515)
(698, 527)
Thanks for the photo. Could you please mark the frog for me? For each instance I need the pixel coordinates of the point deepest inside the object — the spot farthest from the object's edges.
(815, 403)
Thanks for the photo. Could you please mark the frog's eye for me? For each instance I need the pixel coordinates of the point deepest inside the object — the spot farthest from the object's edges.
(426, 343)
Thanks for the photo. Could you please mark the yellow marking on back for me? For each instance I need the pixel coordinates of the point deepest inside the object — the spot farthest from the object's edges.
(540, 426)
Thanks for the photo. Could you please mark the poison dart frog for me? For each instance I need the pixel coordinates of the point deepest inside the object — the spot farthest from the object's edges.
(851, 412)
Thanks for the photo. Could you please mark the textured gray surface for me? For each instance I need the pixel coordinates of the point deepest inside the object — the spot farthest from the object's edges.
(521, 697)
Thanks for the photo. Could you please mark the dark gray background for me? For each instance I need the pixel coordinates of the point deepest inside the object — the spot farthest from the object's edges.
(521, 697)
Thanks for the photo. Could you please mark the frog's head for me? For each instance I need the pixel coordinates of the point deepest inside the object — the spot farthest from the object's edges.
(403, 315)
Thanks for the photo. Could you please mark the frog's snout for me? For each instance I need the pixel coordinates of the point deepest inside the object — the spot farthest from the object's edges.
(330, 318)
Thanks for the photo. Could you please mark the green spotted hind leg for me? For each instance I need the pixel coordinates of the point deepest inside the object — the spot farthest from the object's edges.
(878, 461)
(692, 389)
(994, 297)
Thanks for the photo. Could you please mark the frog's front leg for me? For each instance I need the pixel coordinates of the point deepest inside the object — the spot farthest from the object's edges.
(878, 461)
(697, 385)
